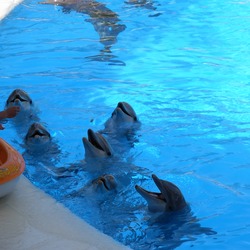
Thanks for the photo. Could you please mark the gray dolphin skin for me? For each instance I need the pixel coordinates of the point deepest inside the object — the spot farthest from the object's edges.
(96, 145)
(19, 98)
(104, 183)
(37, 134)
(125, 111)
(169, 198)
(123, 116)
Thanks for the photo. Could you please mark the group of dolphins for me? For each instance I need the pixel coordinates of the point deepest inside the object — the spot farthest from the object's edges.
(170, 197)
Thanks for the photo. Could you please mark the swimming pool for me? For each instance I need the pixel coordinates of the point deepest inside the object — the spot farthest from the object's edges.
(184, 69)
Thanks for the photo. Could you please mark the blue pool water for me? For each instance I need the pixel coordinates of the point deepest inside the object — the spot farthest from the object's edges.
(184, 67)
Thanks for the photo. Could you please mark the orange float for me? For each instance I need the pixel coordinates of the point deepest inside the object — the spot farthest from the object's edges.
(12, 166)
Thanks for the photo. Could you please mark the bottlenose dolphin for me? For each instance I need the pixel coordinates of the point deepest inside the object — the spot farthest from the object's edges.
(123, 117)
(101, 185)
(28, 113)
(169, 199)
(104, 20)
(96, 146)
(104, 183)
(19, 98)
(37, 135)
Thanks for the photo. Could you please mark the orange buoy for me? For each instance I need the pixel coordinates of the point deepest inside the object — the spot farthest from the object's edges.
(12, 166)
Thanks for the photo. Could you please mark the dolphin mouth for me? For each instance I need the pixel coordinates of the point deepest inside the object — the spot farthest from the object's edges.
(37, 131)
(145, 193)
(20, 98)
(126, 109)
(106, 181)
(169, 198)
(98, 141)
(102, 181)
(19, 95)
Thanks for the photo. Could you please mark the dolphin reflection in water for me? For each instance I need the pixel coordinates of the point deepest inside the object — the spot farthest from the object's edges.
(104, 20)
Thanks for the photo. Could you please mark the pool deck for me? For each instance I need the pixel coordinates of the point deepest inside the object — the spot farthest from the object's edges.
(7, 6)
(30, 219)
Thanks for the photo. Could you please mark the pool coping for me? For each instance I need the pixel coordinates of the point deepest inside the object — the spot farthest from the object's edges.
(31, 219)
(7, 6)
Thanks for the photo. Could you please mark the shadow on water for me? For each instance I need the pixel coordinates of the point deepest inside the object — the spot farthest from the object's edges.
(104, 21)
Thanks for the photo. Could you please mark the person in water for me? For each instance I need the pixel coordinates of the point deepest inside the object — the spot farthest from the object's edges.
(8, 113)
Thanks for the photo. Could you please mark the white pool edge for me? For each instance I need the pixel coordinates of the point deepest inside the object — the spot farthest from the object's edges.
(31, 219)
(6, 6)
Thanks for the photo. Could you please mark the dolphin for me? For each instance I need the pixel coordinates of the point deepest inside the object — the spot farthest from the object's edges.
(37, 135)
(169, 199)
(19, 98)
(104, 20)
(96, 145)
(101, 185)
(123, 116)
(104, 183)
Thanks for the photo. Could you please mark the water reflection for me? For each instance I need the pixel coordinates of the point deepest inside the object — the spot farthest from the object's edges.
(104, 20)
(146, 4)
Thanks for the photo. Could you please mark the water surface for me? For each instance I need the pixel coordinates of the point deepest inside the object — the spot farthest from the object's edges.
(183, 66)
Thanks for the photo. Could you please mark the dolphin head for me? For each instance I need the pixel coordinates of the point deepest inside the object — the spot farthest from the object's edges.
(168, 199)
(104, 183)
(37, 134)
(96, 145)
(19, 98)
(124, 113)
(123, 117)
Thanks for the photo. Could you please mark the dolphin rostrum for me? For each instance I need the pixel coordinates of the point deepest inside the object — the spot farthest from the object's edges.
(168, 199)
(96, 145)
(19, 98)
(123, 117)
(104, 183)
(37, 135)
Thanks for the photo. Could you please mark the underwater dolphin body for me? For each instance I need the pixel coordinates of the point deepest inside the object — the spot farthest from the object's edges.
(20, 98)
(96, 146)
(123, 117)
(169, 199)
(104, 20)
(37, 135)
